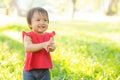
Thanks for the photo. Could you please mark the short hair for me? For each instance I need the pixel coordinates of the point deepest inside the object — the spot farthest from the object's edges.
(33, 10)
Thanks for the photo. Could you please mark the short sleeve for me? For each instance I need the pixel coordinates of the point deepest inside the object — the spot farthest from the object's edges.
(25, 33)
(52, 34)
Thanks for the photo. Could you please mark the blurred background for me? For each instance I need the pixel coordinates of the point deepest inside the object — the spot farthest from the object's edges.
(64, 10)
(87, 38)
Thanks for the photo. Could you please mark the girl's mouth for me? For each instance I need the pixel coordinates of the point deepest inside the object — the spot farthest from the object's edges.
(41, 26)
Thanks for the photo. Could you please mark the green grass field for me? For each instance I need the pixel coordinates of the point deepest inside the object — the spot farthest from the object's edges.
(85, 51)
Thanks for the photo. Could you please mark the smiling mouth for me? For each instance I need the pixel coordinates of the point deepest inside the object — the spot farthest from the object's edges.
(41, 27)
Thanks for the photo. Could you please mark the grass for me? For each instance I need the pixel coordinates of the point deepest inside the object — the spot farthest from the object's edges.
(85, 51)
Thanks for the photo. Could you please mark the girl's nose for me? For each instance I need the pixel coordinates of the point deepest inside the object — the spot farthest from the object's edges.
(41, 22)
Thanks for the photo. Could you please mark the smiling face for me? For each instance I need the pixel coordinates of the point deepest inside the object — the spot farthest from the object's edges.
(39, 22)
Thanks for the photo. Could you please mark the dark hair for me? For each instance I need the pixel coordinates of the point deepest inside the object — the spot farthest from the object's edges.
(31, 12)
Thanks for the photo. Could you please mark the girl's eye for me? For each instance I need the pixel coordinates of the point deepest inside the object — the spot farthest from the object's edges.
(45, 20)
(38, 20)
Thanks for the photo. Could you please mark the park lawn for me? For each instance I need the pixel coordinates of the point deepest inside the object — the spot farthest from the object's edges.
(85, 51)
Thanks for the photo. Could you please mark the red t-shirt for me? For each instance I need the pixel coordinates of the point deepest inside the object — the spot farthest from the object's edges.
(40, 59)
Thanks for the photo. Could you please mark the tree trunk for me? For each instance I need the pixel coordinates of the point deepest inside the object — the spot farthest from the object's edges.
(73, 9)
(112, 8)
(7, 11)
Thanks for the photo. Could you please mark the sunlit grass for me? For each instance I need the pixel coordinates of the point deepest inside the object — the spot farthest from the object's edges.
(85, 51)
(10, 61)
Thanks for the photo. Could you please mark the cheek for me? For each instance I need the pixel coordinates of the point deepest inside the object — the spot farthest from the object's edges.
(35, 24)
(46, 25)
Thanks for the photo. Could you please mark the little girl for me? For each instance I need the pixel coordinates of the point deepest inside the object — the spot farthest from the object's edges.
(38, 44)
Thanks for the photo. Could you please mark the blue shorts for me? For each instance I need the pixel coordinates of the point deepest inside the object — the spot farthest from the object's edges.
(37, 74)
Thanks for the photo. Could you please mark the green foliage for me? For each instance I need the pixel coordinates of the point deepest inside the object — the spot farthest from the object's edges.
(85, 51)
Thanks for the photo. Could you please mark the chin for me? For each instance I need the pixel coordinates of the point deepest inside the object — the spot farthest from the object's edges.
(41, 31)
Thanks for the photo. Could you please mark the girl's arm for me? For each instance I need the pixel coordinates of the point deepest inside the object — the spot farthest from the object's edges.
(29, 46)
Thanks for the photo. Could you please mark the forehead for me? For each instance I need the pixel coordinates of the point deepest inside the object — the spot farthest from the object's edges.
(40, 14)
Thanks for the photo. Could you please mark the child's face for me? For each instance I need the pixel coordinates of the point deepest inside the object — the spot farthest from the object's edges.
(39, 22)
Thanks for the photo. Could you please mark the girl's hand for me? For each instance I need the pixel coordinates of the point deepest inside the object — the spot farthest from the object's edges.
(51, 47)
(47, 44)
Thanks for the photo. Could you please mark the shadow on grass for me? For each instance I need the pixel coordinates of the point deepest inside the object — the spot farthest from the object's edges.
(14, 27)
(12, 44)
